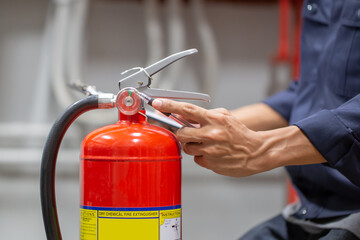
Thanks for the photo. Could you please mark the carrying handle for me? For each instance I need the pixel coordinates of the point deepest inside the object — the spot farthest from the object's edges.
(141, 80)
(143, 76)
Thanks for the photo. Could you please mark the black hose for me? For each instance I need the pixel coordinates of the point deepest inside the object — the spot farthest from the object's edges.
(48, 163)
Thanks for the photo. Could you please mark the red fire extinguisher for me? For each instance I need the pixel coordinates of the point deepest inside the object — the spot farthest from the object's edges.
(130, 171)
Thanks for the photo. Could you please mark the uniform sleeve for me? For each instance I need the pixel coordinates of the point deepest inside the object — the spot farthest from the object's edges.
(336, 135)
(282, 102)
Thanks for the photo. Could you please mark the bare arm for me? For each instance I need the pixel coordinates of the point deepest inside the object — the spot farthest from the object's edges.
(226, 146)
(259, 117)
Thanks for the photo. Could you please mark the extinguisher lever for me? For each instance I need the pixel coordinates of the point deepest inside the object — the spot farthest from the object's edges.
(174, 94)
(143, 76)
(141, 80)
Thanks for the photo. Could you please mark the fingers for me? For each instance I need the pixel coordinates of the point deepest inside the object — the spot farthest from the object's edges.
(206, 134)
(222, 110)
(187, 110)
(192, 148)
(187, 135)
(199, 160)
(207, 150)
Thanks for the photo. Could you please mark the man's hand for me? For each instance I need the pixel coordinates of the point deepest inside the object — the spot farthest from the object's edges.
(226, 146)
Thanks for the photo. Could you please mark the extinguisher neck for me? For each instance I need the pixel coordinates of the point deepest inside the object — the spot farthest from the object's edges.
(139, 117)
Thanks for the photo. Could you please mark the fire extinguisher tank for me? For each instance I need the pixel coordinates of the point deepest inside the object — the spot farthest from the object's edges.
(130, 179)
(130, 172)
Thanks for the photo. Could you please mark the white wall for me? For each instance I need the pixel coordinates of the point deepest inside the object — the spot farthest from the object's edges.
(214, 207)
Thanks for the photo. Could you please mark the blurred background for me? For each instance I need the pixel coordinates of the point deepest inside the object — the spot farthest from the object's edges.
(247, 50)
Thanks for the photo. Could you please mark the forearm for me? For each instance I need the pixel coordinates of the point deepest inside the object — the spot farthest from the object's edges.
(259, 117)
(288, 146)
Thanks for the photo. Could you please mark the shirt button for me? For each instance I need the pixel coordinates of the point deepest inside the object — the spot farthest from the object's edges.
(312, 8)
(303, 211)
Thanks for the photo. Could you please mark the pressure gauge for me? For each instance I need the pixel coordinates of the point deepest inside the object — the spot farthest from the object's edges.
(128, 102)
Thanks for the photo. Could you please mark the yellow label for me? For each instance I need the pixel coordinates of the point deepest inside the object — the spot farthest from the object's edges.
(88, 224)
(138, 224)
(166, 214)
(110, 229)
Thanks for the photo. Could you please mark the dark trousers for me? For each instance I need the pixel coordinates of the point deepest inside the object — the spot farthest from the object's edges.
(278, 228)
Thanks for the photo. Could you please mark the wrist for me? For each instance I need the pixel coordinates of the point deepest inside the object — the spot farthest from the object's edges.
(289, 146)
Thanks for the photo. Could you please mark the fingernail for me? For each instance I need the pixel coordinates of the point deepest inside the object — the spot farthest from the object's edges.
(157, 103)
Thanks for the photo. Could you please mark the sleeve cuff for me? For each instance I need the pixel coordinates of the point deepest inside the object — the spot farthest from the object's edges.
(328, 134)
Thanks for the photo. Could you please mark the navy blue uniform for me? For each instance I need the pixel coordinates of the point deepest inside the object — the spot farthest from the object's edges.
(325, 105)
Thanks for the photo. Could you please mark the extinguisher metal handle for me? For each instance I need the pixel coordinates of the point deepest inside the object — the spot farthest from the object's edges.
(143, 76)
(174, 94)
(141, 80)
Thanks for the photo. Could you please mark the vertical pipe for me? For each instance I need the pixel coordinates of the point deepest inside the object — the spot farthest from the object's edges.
(210, 53)
(176, 36)
(153, 32)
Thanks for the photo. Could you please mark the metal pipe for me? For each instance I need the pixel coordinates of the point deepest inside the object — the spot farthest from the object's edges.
(207, 39)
